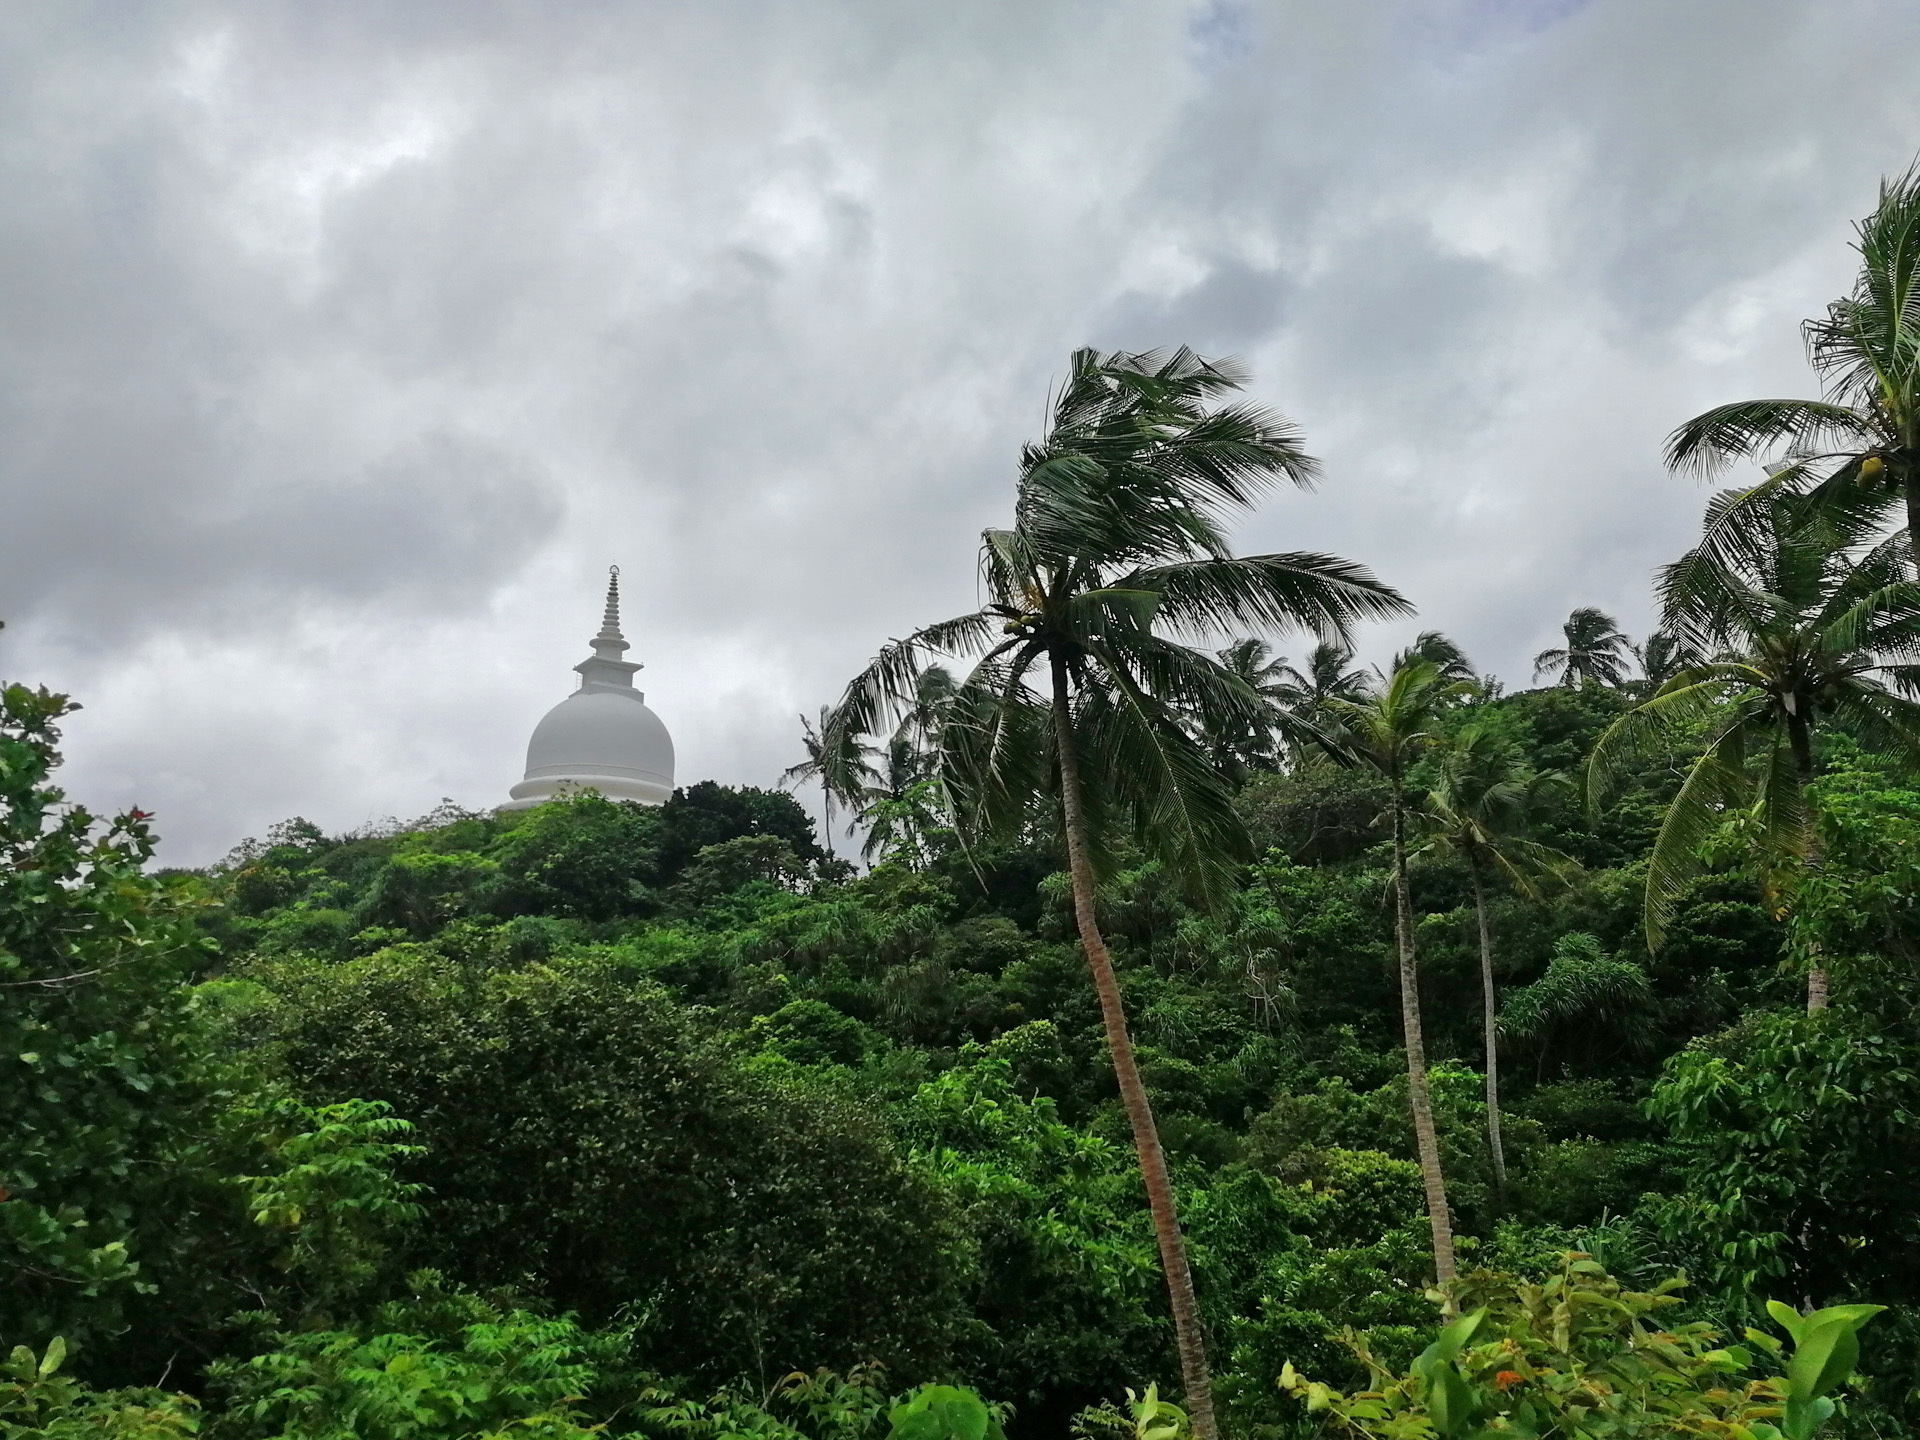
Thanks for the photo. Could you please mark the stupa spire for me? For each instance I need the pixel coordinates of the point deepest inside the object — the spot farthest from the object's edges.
(610, 622)
(605, 667)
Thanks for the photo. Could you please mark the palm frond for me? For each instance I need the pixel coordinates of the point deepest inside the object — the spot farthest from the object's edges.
(1886, 723)
(876, 697)
(996, 750)
(1716, 783)
(1650, 728)
(1301, 590)
(1867, 347)
(1709, 442)
(1115, 613)
(1180, 807)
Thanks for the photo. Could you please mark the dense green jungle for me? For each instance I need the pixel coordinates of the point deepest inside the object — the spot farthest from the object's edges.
(601, 1119)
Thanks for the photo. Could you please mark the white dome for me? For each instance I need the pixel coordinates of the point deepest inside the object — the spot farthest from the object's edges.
(605, 740)
(602, 737)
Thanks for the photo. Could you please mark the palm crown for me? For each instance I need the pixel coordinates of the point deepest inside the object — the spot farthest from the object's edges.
(838, 762)
(1329, 675)
(1253, 661)
(1483, 804)
(1804, 629)
(1860, 443)
(1117, 554)
(1594, 650)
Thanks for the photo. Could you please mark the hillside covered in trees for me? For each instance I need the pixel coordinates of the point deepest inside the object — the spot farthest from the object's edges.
(1416, 1000)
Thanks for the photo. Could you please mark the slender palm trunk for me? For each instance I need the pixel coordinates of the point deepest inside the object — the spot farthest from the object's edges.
(829, 800)
(1802, 742)
(1133, 1094)
(1491, 1018)
(1817, 971)
(1424, 1134)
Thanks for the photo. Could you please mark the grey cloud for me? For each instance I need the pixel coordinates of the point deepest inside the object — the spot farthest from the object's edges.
(1417, 326)
(1235, 303)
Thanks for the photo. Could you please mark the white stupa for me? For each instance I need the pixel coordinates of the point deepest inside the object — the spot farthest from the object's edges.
(602, 737)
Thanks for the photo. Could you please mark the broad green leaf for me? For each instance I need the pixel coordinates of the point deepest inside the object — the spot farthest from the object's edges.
(1823, 1359)
(1803, 1417)
(1449, 1401)
(1451, 1340)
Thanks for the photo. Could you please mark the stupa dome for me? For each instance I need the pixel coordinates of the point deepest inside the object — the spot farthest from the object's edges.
(602, 737)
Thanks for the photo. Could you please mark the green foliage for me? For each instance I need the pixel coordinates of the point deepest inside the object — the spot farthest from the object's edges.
(583, 1140)
(106, 1085)
(1796, 1147)
(1578, 1354)
(943, 1412)
(1587, 999)
(332, 1197)
(436, 1365)
(1063, 1259)
(38, 1402)
(604, 1119)
(1143, 1417)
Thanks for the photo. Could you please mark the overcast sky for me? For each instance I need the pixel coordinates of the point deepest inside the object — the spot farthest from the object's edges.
(344, 346)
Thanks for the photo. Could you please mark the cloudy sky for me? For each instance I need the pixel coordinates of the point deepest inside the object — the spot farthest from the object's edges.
(344, 346)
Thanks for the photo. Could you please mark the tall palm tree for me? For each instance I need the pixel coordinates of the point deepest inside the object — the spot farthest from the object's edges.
(1595, 650)
(1388, 730)
(1479, 814)
(1806, 630)
(1861, 442)
(840, 764)
(1117, 550)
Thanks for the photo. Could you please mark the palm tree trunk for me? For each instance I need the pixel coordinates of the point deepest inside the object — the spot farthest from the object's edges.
(1425, 1137)
(1133, 1094)
(1802, 740)
(1496, 1152)
(1817, 971)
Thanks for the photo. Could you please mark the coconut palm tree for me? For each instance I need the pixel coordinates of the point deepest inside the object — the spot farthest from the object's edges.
(1595, 651)
(1805, 630)
(1116, 554)
(1479, 814)
(840, 764)
(1389, 730)
(1860, 444)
